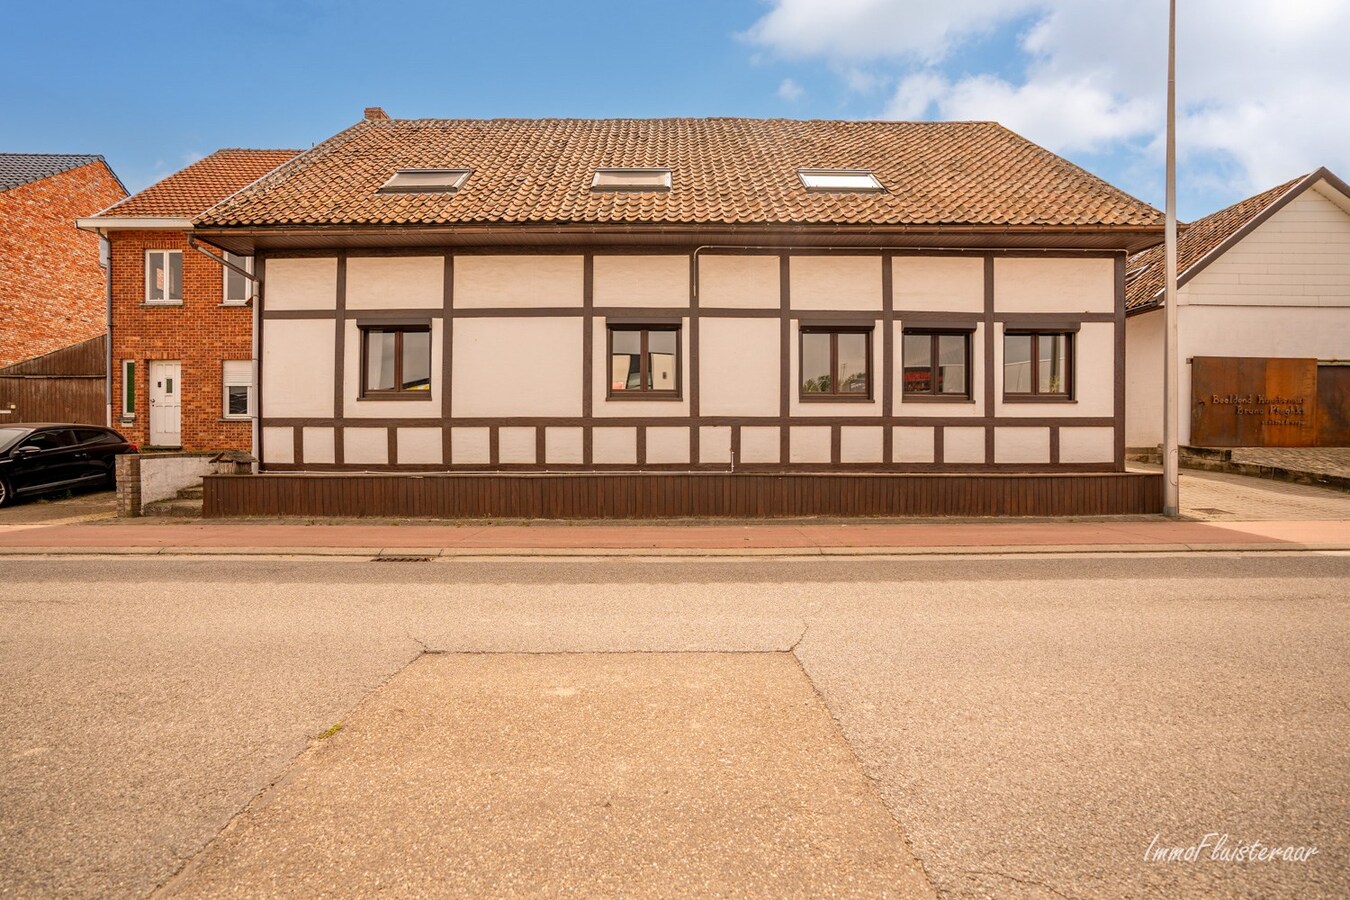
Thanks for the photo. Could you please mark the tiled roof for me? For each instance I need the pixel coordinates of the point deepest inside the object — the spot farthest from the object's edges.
(201, 185)
(22, 168)
(1194, 242)
(725, 171)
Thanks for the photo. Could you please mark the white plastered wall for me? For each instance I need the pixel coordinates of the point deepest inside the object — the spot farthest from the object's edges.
(421, 446)
(667, 444)
(517, 367)
(1030, 284)
(298, 368)
(738, 282)
(1144, 379)
(395, 282)
(835, 282)
(303, 283)
(738, 367)
(518, 282)
(645, 281)
(938, 283)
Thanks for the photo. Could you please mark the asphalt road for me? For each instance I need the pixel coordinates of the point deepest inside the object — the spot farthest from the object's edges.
(1033, 725)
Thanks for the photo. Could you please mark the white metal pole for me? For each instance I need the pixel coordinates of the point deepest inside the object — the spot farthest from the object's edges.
(1171, 487)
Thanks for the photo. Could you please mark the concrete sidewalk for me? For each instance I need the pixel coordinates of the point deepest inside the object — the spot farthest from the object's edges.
(758, 539)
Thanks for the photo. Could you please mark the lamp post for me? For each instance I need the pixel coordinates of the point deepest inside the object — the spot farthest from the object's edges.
(1170, 461)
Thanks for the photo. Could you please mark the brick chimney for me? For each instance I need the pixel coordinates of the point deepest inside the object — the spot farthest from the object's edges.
(376, 112)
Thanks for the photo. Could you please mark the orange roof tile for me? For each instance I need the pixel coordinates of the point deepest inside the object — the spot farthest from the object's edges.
(725, 172)
(203, 184)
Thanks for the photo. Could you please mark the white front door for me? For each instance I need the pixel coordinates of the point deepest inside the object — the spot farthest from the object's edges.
(165, 404)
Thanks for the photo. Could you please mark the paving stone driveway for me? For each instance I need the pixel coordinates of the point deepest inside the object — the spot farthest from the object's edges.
(1219, 496)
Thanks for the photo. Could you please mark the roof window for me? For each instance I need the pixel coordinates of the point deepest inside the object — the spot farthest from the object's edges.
(854, 180)
(426, 181)
(631, 180)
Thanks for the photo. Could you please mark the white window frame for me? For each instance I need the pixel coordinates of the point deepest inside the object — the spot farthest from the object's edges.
(245, 263)
(840, 181)
(425, 181)
(228, 381)
(654, 179)
(128, 378)
(166, 300)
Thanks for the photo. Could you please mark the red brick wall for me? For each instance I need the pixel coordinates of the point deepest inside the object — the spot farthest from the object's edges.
(200, 334)
(51, 285)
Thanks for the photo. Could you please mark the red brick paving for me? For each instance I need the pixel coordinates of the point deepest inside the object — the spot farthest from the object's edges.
(793, 537)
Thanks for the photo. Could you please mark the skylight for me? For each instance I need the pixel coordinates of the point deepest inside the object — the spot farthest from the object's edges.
(857, 180)
(631, 180)
(425, 181)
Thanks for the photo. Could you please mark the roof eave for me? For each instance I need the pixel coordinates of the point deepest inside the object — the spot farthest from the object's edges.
(104, 224)
(1117, 238)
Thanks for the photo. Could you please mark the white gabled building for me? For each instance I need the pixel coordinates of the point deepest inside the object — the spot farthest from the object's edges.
(1267, 278)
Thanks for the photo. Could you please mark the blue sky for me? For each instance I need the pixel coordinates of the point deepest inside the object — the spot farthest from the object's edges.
(155, 85)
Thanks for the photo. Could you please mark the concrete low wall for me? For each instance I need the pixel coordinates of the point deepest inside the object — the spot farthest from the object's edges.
(145, 478)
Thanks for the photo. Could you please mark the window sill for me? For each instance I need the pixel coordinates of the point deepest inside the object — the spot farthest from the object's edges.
(833, 398)
(398, 397)
(151, 303)
(935, 398)
(1036, 398)
(235, 304)
(236, 418)
(641, 395)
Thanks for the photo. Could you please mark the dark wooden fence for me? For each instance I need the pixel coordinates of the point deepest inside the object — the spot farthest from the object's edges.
(66, 385)
(662, 495)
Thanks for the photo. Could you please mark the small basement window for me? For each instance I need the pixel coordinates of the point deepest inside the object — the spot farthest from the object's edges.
(631, 180)
(851, 180)
(426, 181)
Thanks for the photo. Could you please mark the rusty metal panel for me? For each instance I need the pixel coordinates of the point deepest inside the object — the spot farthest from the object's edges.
(1253, 402)
(1333, 406)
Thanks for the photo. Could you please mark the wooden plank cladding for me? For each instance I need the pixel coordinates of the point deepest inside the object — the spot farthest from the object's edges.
(677, 495)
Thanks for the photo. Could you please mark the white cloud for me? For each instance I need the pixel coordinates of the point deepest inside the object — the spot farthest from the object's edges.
(790, 90)
(878, 29)
(1258, 83)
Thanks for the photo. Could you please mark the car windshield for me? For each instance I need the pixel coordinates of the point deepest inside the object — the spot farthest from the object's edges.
(9, 435)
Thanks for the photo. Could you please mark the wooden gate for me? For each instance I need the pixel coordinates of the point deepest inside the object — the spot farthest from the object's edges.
(66, 385)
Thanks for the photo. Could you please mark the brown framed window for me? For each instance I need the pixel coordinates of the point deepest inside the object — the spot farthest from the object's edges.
(644, 362)
(936, 364)
(1038, 365)
(835, 363)
(396, 362)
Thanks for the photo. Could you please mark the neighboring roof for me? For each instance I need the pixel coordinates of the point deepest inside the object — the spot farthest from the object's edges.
(725, 172)
(83, 358)
(23, 168)
(1204, 240)
(201, 185)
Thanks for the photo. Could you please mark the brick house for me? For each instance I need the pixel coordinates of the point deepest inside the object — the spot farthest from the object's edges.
(685, 316)
(182, 328)
(51, 285)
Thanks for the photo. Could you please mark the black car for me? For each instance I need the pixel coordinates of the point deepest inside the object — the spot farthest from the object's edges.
(35, 459)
